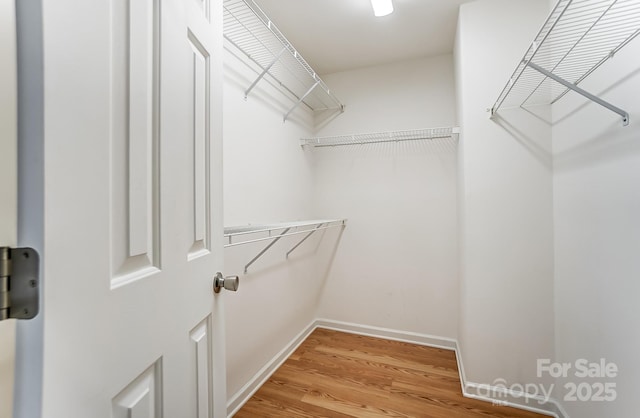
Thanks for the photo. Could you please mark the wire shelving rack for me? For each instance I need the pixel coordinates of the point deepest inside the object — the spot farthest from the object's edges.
(250, 30)
(273, 232)
(576, 39)
(377, 137)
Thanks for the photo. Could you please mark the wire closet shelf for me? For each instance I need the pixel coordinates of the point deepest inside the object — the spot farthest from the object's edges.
(247, 234)
(377, 137)
(576, 39)
(250, 30)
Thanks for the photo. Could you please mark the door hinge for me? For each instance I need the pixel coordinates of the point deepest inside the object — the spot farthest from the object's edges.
(19, 283)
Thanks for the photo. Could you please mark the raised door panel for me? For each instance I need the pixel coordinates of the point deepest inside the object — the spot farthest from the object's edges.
(199, 138)
(202, 372)
(142, 398)
(135, 223)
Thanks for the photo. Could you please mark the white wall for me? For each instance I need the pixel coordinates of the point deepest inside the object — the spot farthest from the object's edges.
(597, 232)
(404, 95)
(518, 198)
(506, 316)
(267, 178)
(396, 266)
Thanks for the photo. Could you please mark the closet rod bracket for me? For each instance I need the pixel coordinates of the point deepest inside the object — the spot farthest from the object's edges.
(571, 86)
(246, 267)
(304, 239)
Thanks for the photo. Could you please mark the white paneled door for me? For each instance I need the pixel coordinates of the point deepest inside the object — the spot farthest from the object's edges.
(132, 233)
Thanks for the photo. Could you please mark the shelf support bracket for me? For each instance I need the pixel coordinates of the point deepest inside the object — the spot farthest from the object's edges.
(263, 73)
(571, 86)
(300, 100)
(304, 239)
(276, 239)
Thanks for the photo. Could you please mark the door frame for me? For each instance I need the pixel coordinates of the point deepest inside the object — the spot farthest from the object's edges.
(8, 190)
(30, 59)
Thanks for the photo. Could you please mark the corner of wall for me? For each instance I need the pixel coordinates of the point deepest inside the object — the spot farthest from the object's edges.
(505, 202)
(457, 60)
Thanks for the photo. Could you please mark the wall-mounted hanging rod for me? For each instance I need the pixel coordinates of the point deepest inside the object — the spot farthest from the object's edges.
(577, 38)
(571, 86)
(240, 235)
(377, 137)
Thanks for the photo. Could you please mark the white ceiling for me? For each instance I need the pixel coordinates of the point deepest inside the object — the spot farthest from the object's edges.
(340, 35)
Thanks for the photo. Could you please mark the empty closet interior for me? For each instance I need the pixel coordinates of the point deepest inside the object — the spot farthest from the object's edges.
(481, 198)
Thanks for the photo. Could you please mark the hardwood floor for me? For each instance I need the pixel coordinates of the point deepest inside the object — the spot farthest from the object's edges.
(334, 374)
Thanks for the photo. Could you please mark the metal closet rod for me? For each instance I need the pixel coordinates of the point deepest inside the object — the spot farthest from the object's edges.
(593, 98)
(285, 227)
(234, 231)
(378, 137)
(234, 244)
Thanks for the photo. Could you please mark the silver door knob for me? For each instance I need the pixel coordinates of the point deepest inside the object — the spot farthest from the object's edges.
(229, 282)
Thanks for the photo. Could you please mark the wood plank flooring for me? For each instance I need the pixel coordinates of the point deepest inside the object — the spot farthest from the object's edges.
(338, 375)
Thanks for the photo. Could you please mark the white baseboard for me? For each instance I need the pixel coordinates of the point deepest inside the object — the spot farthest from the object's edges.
(469, 389)
(387, 333)
(246, 392)
(499, 396)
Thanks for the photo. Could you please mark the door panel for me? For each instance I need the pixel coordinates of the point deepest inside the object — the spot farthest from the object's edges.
(133, 225)
(201, 352)
(142, 398)
(8, 187)
(200, 115)
(134, 139)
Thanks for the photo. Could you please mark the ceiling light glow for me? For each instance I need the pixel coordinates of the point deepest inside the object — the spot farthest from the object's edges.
(382, 7)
